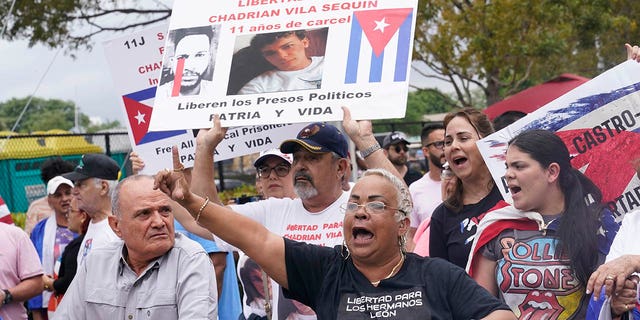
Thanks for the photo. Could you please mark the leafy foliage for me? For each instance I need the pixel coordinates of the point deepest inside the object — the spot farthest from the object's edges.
(72, 23)
(419, 103)
(43, 115)
(504, 46)
(247, 190)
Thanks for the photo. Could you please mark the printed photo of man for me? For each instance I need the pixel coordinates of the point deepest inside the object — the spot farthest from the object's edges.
(189, 62)
(285, 61)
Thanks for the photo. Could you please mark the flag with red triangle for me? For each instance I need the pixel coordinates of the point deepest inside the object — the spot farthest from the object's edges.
(139, 116)
(379, 27)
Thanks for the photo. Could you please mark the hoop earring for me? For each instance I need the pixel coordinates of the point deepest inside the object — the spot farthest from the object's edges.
(343, 248)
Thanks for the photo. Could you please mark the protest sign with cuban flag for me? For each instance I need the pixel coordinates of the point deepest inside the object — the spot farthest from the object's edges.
(136, 67)
(274, 62)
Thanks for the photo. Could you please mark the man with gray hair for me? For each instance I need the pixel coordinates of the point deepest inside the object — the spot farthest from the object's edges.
(94, 180)
(152, 273)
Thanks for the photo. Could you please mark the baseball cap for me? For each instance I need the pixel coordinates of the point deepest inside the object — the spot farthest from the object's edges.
(275, 152)
(56, 182)
(393, 138)
(95, 165)
(318, 137)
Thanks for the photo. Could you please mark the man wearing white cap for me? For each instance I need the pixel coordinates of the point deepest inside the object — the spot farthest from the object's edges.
(50, 236)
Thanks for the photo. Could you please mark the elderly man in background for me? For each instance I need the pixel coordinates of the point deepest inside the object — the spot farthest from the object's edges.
(153, 273)
(95, 178)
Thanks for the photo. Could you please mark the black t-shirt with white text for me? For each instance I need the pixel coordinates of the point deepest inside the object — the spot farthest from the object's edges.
(423, 288)
(452, 233)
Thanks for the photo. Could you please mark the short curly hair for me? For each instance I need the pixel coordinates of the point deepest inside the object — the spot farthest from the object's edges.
(405, 205)
(53, 167)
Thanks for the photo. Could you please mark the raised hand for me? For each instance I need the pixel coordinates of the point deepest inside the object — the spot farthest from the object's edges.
(211, 137)
(172, 181)
(137, 164)
(633, 52)
(361, 132)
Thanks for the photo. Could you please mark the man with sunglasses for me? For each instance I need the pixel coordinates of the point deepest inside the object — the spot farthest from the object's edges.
(396, 148)
(426, 191)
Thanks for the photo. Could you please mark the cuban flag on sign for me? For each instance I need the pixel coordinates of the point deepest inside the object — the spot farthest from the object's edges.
(383, 53)
(139, 115)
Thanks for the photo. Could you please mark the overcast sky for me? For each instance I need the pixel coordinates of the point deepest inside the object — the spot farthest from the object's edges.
(85, 80)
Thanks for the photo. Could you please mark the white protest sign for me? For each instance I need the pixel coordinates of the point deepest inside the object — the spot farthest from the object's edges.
(135, 63)
(599, 122)
(344, 53)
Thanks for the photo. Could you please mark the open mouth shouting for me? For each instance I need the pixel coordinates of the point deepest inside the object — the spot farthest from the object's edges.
(459, 160)
(361, 235)
(514, 189)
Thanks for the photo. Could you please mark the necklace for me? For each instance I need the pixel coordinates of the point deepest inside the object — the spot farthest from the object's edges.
(393, 271)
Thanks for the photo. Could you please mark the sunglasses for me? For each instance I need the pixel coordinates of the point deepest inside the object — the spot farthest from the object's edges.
(281, 170)
(437, 144)
(399, 148)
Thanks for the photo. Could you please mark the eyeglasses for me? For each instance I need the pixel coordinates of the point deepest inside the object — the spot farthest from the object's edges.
(437, 144)
(399, 148)
(281, 170)
(373, 207)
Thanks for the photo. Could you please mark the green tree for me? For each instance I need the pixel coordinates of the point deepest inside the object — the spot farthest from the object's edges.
(419, 103)
(504, 46)
(72, 23)
(93, 128)
(42, 115)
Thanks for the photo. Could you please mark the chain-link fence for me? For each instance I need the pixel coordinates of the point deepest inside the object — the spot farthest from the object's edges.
(21, 157)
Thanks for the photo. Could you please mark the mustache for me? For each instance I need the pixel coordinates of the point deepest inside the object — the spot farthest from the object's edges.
(303, 175)
(190, 73)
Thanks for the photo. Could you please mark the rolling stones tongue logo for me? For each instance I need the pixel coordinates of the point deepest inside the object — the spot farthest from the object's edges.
(540, 305)
(538, 279)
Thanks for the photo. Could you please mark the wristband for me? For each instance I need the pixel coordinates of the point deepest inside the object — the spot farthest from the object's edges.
(368, 151)
(7, 297)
